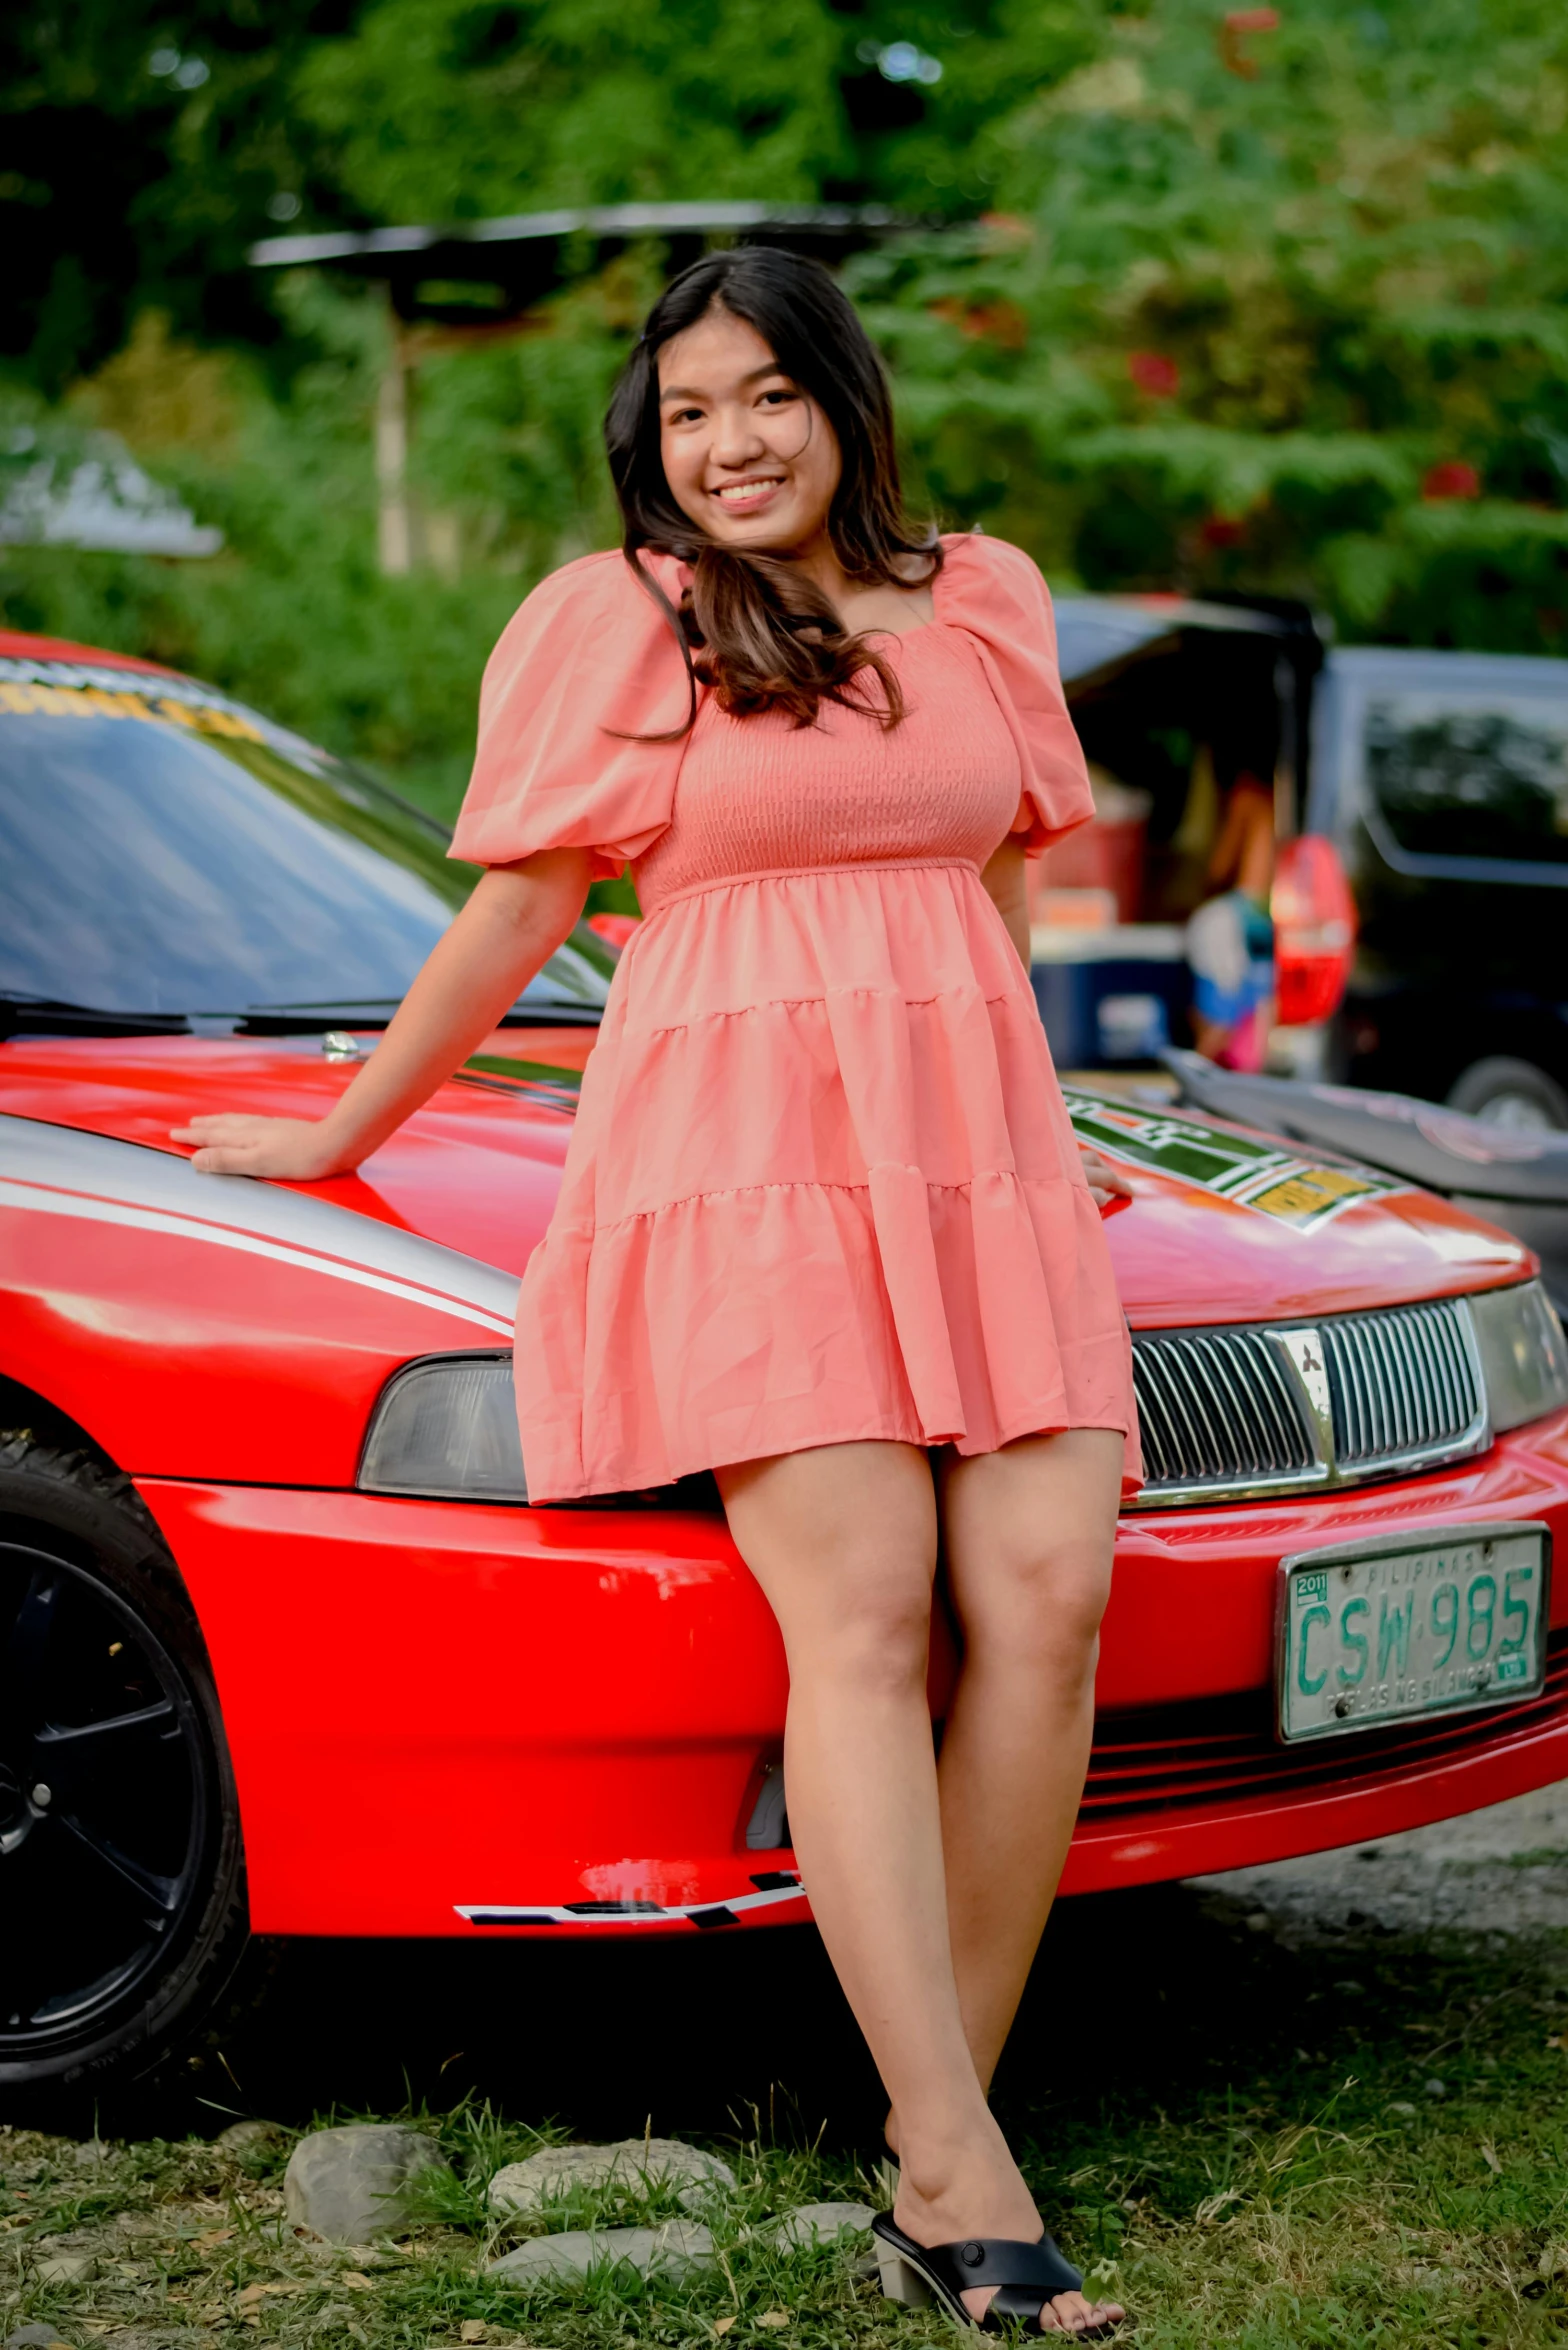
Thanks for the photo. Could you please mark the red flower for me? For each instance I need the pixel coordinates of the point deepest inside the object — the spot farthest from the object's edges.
(1222, 530)
(1452, 479)
(1154, 373)
(1238, 21)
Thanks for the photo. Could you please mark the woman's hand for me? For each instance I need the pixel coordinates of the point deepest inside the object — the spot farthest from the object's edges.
(1105, 1181)
(513, 922)
(288, 1150)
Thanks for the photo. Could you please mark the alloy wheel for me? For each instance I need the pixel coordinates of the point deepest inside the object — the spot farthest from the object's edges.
(106, 1803)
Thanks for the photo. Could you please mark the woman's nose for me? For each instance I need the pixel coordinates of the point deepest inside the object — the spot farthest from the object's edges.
(736, 440)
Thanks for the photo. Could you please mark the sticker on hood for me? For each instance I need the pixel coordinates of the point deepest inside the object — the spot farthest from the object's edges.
(1245, 1168)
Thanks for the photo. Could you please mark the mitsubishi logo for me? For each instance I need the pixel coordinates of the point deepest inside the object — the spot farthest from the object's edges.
(1304, 1348)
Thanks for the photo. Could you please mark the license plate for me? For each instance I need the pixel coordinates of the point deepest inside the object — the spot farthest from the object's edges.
(1398, 1626)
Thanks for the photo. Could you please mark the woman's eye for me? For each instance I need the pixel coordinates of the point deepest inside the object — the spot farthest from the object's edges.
(779, 399)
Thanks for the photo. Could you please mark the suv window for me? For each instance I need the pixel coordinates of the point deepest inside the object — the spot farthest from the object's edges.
(1471, 778)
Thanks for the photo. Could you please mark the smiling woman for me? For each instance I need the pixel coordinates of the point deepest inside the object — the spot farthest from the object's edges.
(746, 426)
(823, 1227)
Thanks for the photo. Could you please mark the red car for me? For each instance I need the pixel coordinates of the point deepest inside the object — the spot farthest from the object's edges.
(282, 1646)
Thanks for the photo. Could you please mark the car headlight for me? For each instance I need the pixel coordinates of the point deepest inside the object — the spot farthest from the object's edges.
(1523, 1355)
(446, 1428)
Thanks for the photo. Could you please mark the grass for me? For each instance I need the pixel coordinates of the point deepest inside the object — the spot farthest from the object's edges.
(1256, 2143)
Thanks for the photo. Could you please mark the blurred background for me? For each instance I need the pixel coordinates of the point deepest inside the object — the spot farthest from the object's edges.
(1188, 300)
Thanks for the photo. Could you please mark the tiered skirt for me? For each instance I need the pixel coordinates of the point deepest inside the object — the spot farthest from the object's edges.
(822, 1188)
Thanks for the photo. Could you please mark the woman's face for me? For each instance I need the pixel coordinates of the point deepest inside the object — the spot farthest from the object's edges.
(748, 455)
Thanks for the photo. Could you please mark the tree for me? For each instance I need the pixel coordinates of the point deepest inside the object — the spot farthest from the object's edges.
(1301, 327)
(1195, 306)
(145, 147)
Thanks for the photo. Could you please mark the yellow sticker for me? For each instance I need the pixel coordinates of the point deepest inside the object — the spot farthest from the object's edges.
(1306, 1196)
(38, 698)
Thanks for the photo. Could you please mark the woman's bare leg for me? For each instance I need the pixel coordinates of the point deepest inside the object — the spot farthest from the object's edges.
(1030, 1532)
(843, 1542)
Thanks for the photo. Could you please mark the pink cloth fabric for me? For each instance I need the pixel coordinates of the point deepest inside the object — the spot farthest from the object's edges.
(822, 1186)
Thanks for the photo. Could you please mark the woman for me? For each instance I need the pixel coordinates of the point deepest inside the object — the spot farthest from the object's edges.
(823, 1227)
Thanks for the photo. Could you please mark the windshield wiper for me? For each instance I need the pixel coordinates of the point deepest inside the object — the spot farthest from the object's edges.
(44, 1015)
(376, 1011)
(25, 1013)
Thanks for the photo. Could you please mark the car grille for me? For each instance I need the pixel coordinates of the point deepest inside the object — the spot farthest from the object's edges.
(1218, 1407)
(1232, 1412)
(1400, 1381)
(1220, 1750)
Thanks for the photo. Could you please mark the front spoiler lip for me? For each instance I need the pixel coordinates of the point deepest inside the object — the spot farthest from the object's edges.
(770, 1888)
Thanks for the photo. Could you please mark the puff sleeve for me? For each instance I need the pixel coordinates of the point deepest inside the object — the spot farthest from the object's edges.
(994, 592)
(586, 662)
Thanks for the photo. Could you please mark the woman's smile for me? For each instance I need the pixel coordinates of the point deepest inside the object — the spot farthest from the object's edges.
(751, 494)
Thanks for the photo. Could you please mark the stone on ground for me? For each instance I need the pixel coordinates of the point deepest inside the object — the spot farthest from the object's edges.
(820, 2223)
(240, 2136)
(633, 2164)
(679, 2244)
(34, 2338)
(64, 2267)
(349, 2185)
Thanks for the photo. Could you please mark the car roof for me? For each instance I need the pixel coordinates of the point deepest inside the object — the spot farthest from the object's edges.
(1096, 634)
(15, 646)
(1418, 666)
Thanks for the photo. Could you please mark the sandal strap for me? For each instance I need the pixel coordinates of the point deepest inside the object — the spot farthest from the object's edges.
(1037, 2268)
(996, 2260)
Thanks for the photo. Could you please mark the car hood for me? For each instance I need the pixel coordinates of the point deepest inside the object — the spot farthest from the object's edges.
(1226, 1225)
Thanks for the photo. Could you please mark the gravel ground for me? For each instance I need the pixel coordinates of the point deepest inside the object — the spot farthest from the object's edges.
(1503, 1870)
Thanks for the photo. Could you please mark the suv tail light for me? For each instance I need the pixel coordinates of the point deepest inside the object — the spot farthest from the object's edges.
(1314, 930)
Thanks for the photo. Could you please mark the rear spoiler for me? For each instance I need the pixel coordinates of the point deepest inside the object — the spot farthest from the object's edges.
(1441, 1150)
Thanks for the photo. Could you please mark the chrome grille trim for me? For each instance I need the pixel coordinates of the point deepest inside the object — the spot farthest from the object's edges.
(1243, 1413)
(1403, 1385)
(1217, 1408)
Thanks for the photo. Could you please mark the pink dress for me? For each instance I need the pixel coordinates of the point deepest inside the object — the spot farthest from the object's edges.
(822, 1186)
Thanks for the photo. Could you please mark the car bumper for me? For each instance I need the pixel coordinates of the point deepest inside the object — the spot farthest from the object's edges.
(458, 1719)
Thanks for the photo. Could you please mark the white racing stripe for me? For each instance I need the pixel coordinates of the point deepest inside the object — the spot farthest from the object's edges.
(37, 1200)
(52, 1170)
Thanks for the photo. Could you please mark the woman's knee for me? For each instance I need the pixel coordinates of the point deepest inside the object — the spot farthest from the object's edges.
(843, 1542)
(1039, 1603)
(875, 1633)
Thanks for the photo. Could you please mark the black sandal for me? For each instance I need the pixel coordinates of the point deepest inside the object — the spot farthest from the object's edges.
(1026, 2276)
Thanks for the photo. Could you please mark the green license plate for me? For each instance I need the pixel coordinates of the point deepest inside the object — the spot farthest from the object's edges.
(1378, 1631)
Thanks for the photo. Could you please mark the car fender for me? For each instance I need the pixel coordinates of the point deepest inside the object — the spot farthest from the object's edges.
(214, 1326)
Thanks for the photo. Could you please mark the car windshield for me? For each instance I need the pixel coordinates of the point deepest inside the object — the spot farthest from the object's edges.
(167, 855)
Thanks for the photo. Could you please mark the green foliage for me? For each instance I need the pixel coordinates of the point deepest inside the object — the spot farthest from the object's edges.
(294, 614)
(441, 109)
(1288, 314)
(1236, 323)
(143, 145)
(1310, 2156)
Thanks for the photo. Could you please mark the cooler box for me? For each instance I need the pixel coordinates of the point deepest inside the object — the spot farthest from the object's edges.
(1112, 996)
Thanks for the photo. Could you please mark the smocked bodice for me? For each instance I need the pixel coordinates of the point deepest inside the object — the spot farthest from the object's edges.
(761, 795)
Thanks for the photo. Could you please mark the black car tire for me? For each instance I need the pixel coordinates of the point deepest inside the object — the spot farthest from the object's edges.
(122, 1881)
(1507, 1092)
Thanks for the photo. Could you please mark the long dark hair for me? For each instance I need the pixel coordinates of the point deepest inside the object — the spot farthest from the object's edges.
(765, 636)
